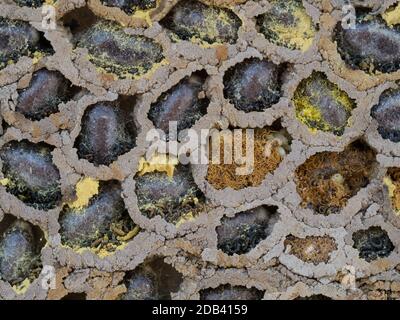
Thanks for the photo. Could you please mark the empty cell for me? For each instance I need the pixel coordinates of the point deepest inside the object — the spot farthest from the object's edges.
(372, 243)
(74, 296)
(185, 103)
(108, 131)
(321, 105)
(243, 232)
(190, 20)
(327, 180)
(253, 85)
(287, 24)
(229, 292)
(152, 280)
(30, 174)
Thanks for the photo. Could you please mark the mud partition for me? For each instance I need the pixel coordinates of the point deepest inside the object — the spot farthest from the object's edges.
(105, 193)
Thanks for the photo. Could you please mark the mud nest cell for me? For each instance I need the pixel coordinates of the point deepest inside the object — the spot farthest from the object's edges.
(18, 39)
(372, 243)
(310, 249)
(131, 6)
(392, 182)
(152, 280)
(253, 85)
(314, 297)
(108, 131)
(387, 115)
(174, 196)
(20, 247)
(229, 292)
(46, 91)
(30, 175)
(184, 104)
(261, 152)
(288, 24)
(327, 180)
(240, 234)
(101, 222)
(191, 20)
(114, 51)
(30, 3)
(373, 45)
(321, 105)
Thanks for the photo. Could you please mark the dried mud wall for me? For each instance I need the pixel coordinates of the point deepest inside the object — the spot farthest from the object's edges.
(318, 218)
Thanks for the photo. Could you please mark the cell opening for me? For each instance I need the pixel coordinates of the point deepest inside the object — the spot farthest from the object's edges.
(30, 174)
(243, 232)
(327, 180)
(229, 292)
(246, 156)
(20, 251)
(152, 280)
(108, 131)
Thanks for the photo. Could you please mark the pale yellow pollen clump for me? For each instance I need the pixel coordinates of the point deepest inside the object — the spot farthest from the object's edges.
(21, 288)
(86, 189)
(5, 182)
(392, 194)
(301, 36)
(159, 163)
(392, 17)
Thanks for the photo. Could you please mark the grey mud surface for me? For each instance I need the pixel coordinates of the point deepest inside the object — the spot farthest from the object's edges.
(192, 248)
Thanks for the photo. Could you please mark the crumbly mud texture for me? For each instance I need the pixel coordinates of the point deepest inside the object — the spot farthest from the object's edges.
(240, 234)
(228, 292)
(30, 174)
(18, 39)
(321, 105)
(288, 24)
(327, 180)
(310, 249)
(191, 20)
(174, 197)
(372, 46)
(373, 243)
(270, 147)
(200, 149)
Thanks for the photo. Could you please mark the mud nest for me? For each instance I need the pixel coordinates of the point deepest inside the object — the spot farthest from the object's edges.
(202, 149)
